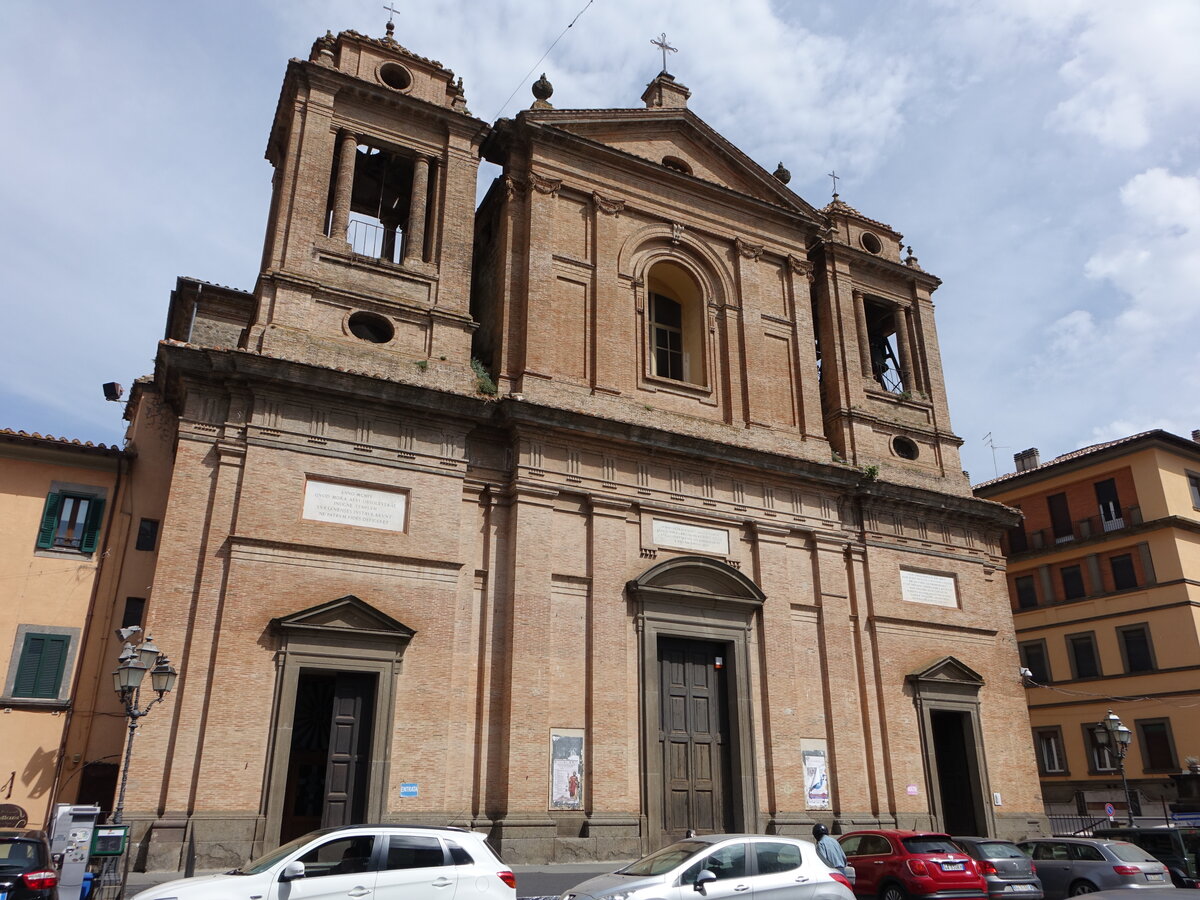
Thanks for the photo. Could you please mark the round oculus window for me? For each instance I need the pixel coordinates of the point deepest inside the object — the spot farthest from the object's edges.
(395, 76)
(870, 242)
(905, 449)
(371, 327)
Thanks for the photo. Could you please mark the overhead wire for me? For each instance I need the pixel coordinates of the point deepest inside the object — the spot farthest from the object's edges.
(533, 68)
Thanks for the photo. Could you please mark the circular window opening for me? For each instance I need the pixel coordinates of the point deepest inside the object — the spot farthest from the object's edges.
(395, 76)
(370, 327)
(905, 448)
(679, 165)
(871, 243)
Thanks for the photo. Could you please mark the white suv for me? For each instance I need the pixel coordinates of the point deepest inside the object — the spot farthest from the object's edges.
(387, 861)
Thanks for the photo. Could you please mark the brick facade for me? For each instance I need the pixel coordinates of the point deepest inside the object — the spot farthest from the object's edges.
(571, 505)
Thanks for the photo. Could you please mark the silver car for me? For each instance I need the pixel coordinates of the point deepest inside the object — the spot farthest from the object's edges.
(717, 866)
(1009, 873)
(1068, 867)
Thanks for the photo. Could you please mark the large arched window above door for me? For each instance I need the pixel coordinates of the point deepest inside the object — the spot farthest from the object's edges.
(675, 307)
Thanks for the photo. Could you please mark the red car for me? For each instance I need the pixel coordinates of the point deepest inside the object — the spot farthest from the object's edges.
(911, 865)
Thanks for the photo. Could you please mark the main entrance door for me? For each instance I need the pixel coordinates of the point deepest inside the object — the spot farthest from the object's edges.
(330, 750)
(694, 734)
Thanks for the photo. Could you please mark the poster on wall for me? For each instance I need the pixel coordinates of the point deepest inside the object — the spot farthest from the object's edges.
(566, 768)
(816, 775)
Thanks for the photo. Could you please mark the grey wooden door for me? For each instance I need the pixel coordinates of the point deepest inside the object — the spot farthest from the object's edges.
(694, 741)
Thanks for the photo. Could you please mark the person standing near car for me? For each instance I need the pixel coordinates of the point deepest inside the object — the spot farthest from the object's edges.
(828, 849)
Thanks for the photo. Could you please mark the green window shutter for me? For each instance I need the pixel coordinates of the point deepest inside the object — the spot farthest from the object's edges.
(40, 671)
(91, 529)
(45, 539)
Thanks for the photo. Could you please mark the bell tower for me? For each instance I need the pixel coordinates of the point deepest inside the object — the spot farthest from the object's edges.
(367, 258)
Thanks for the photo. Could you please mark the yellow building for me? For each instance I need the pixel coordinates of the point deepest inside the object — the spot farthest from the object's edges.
(56, 520)
(1104, 575)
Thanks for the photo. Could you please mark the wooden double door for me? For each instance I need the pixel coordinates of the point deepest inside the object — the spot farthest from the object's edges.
(694, 734)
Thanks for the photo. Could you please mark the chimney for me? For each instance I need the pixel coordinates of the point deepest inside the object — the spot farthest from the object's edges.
(1027, 459)
(1196, 435)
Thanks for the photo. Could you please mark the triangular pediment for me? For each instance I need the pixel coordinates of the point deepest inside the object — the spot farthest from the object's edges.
(948, 670)
(677, 135)
(345, 615)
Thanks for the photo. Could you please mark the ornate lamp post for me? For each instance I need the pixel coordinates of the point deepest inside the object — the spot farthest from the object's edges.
(131, 670)
(1112, 734)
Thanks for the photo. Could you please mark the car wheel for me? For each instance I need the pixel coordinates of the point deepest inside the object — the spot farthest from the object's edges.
(1081, 887)
(893, 892)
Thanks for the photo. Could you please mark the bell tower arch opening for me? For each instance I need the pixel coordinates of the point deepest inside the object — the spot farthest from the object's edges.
(695, 617)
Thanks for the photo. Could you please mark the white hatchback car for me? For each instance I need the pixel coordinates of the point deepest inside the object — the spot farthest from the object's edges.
(383, 862)
(717, 866)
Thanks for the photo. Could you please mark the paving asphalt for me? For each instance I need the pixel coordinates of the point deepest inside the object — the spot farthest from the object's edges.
(540, 881)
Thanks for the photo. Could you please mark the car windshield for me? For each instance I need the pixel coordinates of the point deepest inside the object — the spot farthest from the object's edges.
(999, 850)
(18, 856)
(665, 859)
(930, 843)
(266, 861)
(1127, 852)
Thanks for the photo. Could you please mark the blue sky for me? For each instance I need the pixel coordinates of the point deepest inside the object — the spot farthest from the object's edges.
(1041, 158)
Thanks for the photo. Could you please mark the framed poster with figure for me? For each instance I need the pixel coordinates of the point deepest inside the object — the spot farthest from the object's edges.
(566, 768)
(816, 775)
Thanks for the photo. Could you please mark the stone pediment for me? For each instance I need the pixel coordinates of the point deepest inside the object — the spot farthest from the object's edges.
(948, 670)
(697, 577)
(344, 616)
(677, 135)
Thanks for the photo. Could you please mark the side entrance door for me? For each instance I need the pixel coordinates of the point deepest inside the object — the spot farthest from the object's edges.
(694, 737)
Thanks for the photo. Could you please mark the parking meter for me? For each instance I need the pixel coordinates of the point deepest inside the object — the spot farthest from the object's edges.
(71, 840)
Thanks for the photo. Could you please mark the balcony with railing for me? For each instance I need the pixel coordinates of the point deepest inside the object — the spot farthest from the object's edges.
(1113, 519)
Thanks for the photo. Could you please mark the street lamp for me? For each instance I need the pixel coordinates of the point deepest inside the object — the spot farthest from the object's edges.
(132, 666)
(1112, 734)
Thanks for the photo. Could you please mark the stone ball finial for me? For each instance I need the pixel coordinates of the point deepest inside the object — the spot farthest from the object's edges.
(782, 174)
(542, 88)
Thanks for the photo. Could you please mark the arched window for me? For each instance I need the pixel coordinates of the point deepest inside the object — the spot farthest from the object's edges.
(676, 312)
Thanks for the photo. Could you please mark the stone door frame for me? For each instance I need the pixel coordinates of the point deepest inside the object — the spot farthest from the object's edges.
(951, 685)
(344, 635)
(697, 599)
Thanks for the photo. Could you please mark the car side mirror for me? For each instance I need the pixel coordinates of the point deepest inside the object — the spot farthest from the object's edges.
(292, 871)
(704, 877)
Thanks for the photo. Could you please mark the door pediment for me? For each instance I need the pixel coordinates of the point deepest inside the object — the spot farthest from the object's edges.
(948, 673)
(345, 617)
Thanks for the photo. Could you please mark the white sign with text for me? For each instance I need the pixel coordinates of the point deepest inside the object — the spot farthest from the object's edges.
(690, 537)
(345, 504)
(923, 587)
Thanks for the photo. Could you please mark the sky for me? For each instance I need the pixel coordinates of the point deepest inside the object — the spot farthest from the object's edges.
(1042, 159)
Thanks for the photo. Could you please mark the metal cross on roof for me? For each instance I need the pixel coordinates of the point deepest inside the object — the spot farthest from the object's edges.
(391, 8)
(661, 43)
(834, 176)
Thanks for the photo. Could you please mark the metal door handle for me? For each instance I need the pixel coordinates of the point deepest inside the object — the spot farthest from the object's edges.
(802, 878)
(879, 862)
(359, 892)
(443, 881)
(742, 887)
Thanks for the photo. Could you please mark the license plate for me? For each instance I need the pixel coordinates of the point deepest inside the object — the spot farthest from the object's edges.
(953, 867)
(1150, 876)
(1021, 888)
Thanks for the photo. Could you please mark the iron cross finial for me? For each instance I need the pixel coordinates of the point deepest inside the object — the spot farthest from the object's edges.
(661, 43)
(834, 176)
(391, 8)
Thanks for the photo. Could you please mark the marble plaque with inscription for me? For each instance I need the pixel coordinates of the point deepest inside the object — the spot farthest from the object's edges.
(924, 587)
(690, 537)
(345, 504)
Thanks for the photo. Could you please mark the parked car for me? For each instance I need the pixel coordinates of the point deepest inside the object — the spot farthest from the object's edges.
(1176, 848)
(769, 867)
(911, 865)
(1072, 866)
(1009, 873)
(386, 861)
(26, 872)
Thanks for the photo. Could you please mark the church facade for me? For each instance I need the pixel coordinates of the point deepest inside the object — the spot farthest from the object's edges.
(623, 505)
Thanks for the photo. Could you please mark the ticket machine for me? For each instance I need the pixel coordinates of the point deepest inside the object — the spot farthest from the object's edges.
(71, 840)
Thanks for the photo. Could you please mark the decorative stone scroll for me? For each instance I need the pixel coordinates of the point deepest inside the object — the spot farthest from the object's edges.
(800, 266)
(748, 250)
(544, 185)
(610, 206)
(677, 230)
(514, 187)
